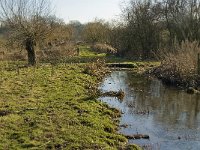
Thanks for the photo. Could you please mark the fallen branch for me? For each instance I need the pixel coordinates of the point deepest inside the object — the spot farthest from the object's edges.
(120, 94)
(137, 136)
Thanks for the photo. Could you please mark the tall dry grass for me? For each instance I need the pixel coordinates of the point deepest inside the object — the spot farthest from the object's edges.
(97, 68)
(180, 65)
(57, 52)
(51, 53)
(104, 48)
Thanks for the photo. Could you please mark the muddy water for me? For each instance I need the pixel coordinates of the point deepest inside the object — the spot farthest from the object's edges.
(171, 117)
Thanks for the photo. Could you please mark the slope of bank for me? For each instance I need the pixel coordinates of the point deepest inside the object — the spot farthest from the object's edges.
(190, 83)
(52, 107)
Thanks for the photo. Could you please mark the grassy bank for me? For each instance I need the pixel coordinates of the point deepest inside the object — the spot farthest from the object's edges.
(53, 106)
(50, 107)
(88, 56)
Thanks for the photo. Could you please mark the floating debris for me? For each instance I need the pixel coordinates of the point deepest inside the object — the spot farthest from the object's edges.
(124, 126)
(120, 94)
(137, 136)
(121, 65)
(141, 112)
(192, 90)
(154, 146)
(187, 137)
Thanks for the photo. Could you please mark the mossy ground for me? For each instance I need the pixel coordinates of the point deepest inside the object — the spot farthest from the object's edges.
(53, 106)
(49, 107)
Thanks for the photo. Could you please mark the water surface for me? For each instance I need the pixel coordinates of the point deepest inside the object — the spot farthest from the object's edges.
(171, 117)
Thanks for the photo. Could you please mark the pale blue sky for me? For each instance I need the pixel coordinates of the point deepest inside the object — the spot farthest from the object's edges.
(87, 10)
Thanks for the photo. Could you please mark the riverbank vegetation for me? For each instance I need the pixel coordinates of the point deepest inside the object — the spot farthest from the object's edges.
(50, 102)
(167, 31)
(180, 67)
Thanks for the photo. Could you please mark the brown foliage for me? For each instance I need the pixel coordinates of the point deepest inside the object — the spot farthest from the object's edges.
(97, 31)
(12, 56)
(97, 69)
(181, 65)
(57, 52)
(50, 53)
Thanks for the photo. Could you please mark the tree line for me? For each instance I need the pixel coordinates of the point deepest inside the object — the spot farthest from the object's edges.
(145, 29)
(149, 26)
(152, 25)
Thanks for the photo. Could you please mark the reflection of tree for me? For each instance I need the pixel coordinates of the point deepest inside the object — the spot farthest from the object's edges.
(115, 82)
(170, 106)
(141, 88)
(155, 88)
(174, 104)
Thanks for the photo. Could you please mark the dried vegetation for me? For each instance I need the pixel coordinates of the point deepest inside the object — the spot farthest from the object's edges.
(180, 65)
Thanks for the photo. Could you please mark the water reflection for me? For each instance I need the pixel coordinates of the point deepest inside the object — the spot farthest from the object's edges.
(171, 117)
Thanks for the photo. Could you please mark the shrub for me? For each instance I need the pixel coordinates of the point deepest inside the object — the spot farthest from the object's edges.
(97, 68)
(54, 53)
(14, 56)
(49, 53)
(181, 64)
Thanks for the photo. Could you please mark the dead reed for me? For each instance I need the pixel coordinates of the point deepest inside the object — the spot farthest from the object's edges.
(180, 65)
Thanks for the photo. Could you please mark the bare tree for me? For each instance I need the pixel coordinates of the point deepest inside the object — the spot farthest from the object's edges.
(28, 23)
(142, 28)
(183, 19)
(97, 31)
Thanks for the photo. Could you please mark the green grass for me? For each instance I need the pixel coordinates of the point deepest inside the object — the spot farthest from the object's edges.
(87, 55)
(85, 51)
(50, 107)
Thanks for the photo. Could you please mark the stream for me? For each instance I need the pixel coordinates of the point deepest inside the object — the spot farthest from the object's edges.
(170, 116)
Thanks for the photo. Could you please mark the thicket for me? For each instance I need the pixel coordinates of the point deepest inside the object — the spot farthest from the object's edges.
(167, 30)
(147, 28)
(180, 67)
(151, 26)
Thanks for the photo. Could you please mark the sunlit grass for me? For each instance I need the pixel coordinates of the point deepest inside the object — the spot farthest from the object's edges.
(85, 51)
(50, 107)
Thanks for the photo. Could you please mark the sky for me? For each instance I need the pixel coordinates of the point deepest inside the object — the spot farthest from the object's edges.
(87, 10)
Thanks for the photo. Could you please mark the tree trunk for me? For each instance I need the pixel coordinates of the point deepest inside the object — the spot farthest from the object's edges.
(31, 52)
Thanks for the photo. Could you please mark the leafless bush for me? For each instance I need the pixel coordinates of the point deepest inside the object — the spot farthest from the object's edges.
(16, 56)
(182, 63)
(46, 54)
(27, 22)
(57, 52)
(97, 69)
(12, 56)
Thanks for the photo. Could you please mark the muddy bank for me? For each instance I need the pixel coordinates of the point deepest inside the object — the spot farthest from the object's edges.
(190, 84)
